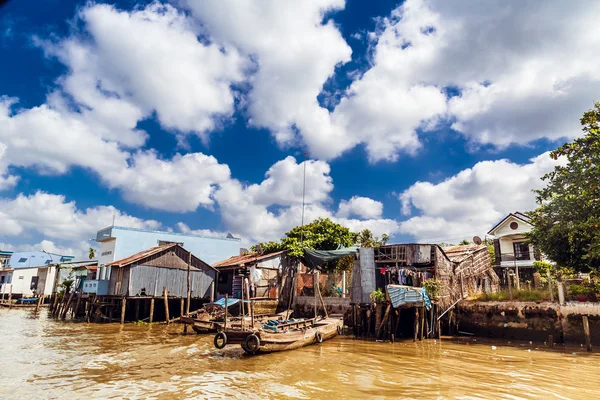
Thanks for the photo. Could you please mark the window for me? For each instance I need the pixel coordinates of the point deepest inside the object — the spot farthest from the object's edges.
(521, 251)
(514, 226)
(22, 259)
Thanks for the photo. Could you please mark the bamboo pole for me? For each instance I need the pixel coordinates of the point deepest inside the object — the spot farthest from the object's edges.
(166, 304)
(37, 307)
(586, 332)
(321, 298)
(123, 309)
(315, 283)
(226, 305)
(151, 310)
(292, 291)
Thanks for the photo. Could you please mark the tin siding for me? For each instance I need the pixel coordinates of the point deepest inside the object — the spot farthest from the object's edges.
(153, 279)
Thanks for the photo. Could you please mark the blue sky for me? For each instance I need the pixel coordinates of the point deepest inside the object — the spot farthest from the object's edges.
(424, 120)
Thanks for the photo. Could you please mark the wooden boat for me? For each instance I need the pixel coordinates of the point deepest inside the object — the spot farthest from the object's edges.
(289, 336)
(201, 326)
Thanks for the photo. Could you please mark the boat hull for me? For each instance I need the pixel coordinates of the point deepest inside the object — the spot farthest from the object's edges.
(273, 342)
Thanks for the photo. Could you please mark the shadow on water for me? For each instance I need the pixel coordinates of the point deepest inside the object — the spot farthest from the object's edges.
(43, 358)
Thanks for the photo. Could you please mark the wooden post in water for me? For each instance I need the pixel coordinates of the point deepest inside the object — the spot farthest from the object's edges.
(66, 309)
(551, 341)
(151, 310)
(226, 311)
(422, 323)
(76, 309)
(586, 332)
(123, 309)
(242, 306)
(416, 325)
(37, 307)
(165, 295)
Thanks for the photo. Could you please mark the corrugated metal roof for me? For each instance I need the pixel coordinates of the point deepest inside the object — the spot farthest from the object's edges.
(459, 253)
(246, 259)
(141, 255)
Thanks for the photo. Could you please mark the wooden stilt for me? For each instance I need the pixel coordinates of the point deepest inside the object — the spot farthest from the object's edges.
(292, 291)
(551, 341)
(151, 310)
(165, 295)
(397, 322)
(439, 323)
(37, 307)
(242, 306)
(422, 323)
(250, 308)
(10, 298)
(86, 305)
(66, 309)
(123, 309)
(77, 304)
(212, 291)
(383, 320)
(137, 310)
(181, 306)
(416, 325)
(586, 332)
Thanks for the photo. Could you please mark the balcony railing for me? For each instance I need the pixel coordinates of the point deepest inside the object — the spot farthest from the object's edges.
(510, 259)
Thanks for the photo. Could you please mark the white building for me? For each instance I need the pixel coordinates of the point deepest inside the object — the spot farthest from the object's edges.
(117, 242)
(510, 243)
(30, 273)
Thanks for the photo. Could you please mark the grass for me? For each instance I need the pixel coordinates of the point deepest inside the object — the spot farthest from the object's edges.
(518, 295)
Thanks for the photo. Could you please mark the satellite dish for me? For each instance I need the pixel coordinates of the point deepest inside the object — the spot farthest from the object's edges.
(477, 240)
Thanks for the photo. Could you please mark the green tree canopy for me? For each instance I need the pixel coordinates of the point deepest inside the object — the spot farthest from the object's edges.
(566, 222)
(322, 234)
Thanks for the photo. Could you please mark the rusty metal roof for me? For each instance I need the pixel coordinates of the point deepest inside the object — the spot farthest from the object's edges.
(245, 259)
(141, 255)
(459, 253)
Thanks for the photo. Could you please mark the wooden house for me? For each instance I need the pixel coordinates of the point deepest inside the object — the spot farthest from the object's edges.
(147, 274)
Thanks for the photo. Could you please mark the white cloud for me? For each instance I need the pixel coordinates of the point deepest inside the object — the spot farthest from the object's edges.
(151, 60)
(295, 52)
(6, 181)
(53, 217)
(178, 185)
(472, 201)
(363, 207)
(520, 79)
(265, 211)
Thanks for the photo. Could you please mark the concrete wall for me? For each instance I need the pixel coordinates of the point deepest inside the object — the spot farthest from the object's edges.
(529, 320)
(21, 281)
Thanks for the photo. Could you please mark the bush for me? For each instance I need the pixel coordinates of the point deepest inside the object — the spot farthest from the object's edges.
(377, 296)
(584, 292)
(433, 288)
(518, 295)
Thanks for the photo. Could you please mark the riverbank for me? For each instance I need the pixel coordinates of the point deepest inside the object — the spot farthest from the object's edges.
(45, 358)
(529, 320)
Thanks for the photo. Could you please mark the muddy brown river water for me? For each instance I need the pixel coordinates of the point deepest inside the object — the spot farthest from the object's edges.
(44, 359)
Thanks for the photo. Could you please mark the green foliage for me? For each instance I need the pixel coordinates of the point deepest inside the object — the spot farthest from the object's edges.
(589, 291)
(65, 286)
(464, 242)
(366, 239)
(433, 288)
(92, 253)
(556, 272)
(518, 295)
(568, 214)
(377, 296)
(321, 234)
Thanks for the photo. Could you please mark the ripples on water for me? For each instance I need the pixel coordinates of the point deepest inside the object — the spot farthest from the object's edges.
(45, 359)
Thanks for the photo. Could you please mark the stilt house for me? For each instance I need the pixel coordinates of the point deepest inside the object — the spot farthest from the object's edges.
(147, 274)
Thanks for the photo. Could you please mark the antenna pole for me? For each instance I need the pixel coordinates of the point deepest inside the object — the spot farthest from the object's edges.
(303, 198)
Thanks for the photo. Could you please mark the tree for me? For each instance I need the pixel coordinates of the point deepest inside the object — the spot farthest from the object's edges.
(366, 239)
(321, 234)
(92, 253)
(568, 215)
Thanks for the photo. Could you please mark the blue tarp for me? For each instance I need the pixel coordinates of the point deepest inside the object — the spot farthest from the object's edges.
(231, 301)
(400, 295)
